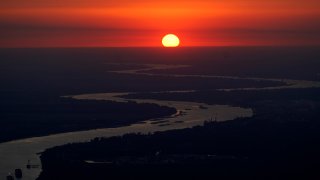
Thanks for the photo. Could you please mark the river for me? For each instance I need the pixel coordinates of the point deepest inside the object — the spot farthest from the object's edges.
(15, 154)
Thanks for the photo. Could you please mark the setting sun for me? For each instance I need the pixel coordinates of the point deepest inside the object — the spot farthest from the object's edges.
(170, 40)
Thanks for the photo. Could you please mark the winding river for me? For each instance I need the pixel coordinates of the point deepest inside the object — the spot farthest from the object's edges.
(15, 154)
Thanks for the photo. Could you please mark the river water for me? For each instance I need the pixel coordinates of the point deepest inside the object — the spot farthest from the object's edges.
(15, 154)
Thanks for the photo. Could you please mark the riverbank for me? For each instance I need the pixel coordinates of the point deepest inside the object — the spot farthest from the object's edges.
(15, 154)
(279, 142)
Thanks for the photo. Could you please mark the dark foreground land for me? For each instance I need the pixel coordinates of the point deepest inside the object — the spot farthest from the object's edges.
(281, 141)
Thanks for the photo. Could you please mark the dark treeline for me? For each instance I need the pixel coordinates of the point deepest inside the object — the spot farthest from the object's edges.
(280, 142)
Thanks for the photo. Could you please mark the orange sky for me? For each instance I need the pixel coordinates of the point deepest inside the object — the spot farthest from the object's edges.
(89, 23)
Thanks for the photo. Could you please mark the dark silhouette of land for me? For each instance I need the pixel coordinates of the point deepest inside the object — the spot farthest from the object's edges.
(281, 140)
(51, 115)
(33, 82)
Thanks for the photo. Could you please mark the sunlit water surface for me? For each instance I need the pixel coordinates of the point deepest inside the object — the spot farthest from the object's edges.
(15, 154)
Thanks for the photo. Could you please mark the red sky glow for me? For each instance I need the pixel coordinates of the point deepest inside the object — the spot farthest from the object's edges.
(121, 23)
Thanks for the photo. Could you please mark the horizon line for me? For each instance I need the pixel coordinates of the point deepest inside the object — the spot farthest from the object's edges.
(179, 47)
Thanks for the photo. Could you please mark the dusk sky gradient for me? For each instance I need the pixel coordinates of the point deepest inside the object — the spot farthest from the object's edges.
(109, 23)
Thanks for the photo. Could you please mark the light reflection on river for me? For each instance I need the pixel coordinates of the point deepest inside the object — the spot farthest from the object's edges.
(15, 154)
